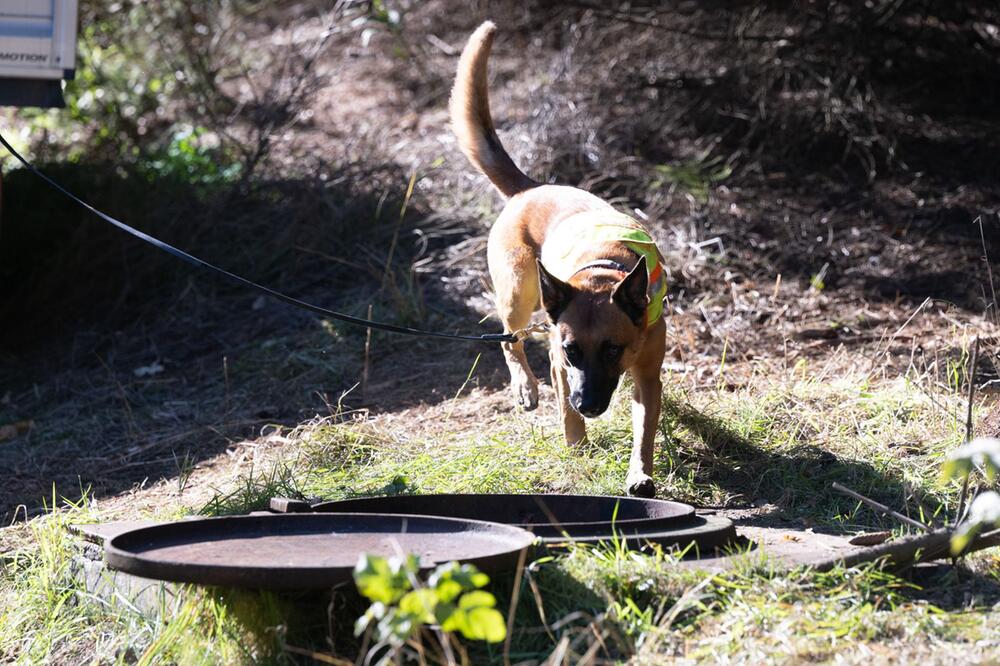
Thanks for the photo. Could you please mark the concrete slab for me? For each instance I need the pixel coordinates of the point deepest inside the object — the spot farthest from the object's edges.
(784, 548)
(97, 532)
(147, 596)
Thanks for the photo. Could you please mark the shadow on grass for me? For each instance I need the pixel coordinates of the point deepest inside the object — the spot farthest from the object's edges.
(798, 481)
(551, 604)
(131, 366)
(951, 588)
(261, 622)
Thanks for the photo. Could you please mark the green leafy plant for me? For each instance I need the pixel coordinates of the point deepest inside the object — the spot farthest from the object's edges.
(695, 177)
(381, 16)
(984, 511)
(192, 154)
(451, 601)
(981, 453)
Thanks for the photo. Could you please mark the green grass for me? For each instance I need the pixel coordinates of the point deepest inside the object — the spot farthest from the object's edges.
(695, 177)
(48, 614)
(45, 614)
(784, 443)
(780, 438)
(753, 616)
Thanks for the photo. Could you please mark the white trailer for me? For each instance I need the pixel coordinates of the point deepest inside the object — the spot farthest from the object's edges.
(37, 51)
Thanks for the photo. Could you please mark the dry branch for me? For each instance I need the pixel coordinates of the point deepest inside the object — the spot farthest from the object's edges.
(960, 513)
(905, 552)
(881, 508)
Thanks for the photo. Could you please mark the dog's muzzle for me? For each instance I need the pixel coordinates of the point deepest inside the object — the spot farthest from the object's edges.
(588, 408)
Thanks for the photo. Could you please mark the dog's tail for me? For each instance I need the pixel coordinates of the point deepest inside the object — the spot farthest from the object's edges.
(471, 120)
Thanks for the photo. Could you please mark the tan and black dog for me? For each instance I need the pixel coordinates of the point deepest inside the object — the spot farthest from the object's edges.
(595, 272)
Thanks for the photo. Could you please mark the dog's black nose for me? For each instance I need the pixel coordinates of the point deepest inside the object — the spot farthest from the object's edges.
(588, 407)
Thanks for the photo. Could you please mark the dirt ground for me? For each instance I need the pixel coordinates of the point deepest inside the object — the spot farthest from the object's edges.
(769, 266)
(822, 181)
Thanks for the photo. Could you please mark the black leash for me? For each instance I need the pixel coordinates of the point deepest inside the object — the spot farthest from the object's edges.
(191, 259)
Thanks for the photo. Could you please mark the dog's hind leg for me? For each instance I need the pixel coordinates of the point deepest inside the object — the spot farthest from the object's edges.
(515, 282)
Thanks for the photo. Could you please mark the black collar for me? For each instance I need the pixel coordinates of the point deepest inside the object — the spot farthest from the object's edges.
(602, 263)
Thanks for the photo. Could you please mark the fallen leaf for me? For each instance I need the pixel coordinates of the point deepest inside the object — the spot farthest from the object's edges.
(870, 539)
(12, 430)
(153, 368)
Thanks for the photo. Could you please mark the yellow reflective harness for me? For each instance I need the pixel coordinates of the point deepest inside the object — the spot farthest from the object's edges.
(564, 243)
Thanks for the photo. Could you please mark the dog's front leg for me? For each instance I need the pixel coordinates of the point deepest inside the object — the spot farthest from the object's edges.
(574, 428)
(522, 381)
(516, 287)
(646, 397)
(645, 417)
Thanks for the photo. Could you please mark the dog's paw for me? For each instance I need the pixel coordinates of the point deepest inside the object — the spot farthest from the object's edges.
(525, 395)
(641, 485)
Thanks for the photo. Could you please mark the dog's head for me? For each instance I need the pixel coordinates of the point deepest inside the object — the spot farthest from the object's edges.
(597, 329)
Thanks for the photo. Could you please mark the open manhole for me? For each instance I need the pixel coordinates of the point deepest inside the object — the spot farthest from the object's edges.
(307, 551)
(555, 519)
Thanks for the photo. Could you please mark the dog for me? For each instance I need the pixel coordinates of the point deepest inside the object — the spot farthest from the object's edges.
(595, 272)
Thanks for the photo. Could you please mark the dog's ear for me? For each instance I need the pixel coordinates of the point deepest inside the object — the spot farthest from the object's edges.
(630, 294)
(555, 293)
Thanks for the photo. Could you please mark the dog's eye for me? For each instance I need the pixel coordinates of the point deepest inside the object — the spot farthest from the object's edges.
(613, 352)
(572, 351)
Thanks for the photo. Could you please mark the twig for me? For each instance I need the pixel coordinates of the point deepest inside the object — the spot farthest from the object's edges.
(442, 45)
(892, 338)
(881, 508)
(367, 360)
(968, 426)
(317, 656)
(541, 606)
(989, 269)
(901, 552)
(559, 653)
(909, 550)
(972, 388)
(395, 233)
(225, 379)
(514, 598)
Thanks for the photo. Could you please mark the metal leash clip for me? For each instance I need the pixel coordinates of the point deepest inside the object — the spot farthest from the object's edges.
(523, 334)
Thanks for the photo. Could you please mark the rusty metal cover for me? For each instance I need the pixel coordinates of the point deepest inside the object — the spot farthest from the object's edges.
(556, 519)
(305, 551)
(704, 535)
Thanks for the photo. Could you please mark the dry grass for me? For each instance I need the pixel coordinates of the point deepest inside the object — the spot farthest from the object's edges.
(819, 332)
(777, 441)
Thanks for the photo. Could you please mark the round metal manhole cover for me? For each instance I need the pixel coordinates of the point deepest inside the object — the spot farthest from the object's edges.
(305, 551)
(556, 518)
(704, 535)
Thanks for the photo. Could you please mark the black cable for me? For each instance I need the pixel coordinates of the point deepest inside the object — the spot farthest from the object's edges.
(191, 259)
